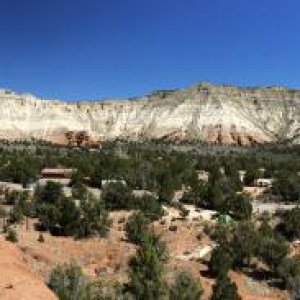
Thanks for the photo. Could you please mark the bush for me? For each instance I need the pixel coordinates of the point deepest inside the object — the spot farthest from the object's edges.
(41, 238)
(48, 215)
(68, 217)
(150, 206)
(65, 218)
(94, 219)
(137, 227)
(272, 251)
(61, 217)
(11, 197)
(11, 236)
(16, 214)
(49, 194)
(221, 260)
(183, 212)
(173, 228)
(79, 191)
(244, 243)
(102, 290)
(67, 281)
(197, 195)
(117, 196)
(185, 288)
(250, 176)
(293, 287)
(146, 271)
(288, 269)
(225, 289)
(240, 206)
(291, 224)
(287, 186)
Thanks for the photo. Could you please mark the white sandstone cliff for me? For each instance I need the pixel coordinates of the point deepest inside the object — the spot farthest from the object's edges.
(219, 114)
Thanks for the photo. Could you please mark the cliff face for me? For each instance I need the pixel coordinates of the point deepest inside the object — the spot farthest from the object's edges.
(218, 114)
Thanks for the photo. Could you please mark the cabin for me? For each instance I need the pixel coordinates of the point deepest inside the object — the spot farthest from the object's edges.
(264, 182)
(10, 186)
(202, 175)
(143, 193)
(59, 175)
(242, 174)
(105, 183)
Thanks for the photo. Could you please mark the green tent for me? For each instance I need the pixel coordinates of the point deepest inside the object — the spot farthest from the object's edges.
(224, 219)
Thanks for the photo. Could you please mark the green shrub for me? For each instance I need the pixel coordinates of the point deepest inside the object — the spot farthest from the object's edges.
(147, 270)
(67, 281)
(291, 224)
(11, 236)
(225, 289)
(185, 288)
(94, 219)
(137, 228)
(41, 238)
(221, 260)
(117, 196)
(150, 206)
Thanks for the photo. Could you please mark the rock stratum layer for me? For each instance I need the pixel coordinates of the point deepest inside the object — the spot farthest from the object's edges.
(217, 114)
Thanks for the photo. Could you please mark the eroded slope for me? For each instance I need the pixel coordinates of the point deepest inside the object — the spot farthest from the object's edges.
(218, 114)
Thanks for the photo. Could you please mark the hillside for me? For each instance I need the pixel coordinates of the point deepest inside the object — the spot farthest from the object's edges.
(17, 281)
(217, 114)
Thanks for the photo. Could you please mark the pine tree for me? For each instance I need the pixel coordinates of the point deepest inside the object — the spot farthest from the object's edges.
(185, 288)
(225, 289)
(146, 272)
(221, 260)
(136, 228)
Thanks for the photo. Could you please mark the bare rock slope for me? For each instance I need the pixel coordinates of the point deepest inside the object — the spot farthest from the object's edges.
(17, 282)
(218, 114)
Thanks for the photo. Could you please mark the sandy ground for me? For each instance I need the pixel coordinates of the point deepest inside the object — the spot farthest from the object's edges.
(105, 256)
(255, 192)
(270, 207)
(17, 281)
(108, 258)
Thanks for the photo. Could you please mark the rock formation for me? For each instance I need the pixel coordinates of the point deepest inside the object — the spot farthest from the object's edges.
(217, 114)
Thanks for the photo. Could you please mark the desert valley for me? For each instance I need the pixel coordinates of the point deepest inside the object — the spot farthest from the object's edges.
(188, 194)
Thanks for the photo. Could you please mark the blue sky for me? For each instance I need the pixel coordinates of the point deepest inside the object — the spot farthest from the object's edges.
(94, 49)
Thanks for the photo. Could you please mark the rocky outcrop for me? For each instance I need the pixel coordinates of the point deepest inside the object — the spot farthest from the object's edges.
(217, 114)
(17, 282)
